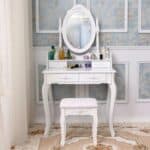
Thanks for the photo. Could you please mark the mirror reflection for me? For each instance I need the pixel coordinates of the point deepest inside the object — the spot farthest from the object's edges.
(78, 30)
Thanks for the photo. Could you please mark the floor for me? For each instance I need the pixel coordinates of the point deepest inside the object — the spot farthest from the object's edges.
(128, 137)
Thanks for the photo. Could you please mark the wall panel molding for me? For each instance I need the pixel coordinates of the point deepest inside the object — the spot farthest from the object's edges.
(37, 15)
(111, 47)
(144, 76)
(140, 30)
(88, 2)
(131, 111)
(126, 92)
(125, 28)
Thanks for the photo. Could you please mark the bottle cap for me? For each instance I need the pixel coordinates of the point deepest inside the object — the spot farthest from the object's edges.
(53, 47)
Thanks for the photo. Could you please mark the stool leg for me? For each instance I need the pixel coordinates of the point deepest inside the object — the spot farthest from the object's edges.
(94, 128)
(63, 128)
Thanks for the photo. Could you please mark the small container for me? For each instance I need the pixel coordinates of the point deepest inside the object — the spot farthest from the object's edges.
(101, 56)
(51, 53)
(93, 56)
(68, 55)
(107, 53)
(103, 52)
(61, 54)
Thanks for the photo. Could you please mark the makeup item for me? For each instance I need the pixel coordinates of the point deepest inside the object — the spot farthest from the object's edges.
(51, 53)
(68, 56)
(74, 66)
(93, 56)
(103, 52)
(101, 56)
(86, 57)
(88, 65)
(61, 54)
(107, 53)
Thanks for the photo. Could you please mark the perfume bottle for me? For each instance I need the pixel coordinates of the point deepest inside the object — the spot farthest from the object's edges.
(103, 52)
(68, 55)
(61, 54)
(51, 53)
(107, 53)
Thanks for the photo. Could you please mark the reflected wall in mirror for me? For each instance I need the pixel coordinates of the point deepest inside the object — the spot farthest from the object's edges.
(79, 29)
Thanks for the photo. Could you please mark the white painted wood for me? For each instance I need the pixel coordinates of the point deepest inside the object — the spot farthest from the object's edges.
(88, 4)
(81, 76)
(76, 9)
(97, 36)
(126, 110)
(101, 64)
(111, 109)
(46, 107)
(63, 127)
(60, 31)
(78, 106)
(74, 2)
(57, 64)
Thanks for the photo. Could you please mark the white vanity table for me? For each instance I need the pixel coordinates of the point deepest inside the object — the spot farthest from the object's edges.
(100, 72)
(64, 76)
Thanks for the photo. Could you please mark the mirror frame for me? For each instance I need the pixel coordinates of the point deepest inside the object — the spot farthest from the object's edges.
(70, 12)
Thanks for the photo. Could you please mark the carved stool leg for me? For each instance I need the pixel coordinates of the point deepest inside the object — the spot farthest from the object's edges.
(63, 127)
(94, 128)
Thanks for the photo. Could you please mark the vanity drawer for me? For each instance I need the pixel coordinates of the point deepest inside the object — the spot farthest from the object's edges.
(92, 77)
(109, 78)
(56, 78)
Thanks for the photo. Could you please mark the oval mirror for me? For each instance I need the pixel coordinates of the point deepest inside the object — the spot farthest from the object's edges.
(78, 29)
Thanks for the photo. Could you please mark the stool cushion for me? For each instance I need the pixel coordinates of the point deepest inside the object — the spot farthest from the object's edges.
(78, 103)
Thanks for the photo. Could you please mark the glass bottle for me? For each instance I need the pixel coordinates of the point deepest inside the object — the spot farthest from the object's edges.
(61, 54)
(51, 53)
(68, 56)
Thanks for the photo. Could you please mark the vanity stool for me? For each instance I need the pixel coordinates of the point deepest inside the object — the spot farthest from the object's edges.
(78, 106)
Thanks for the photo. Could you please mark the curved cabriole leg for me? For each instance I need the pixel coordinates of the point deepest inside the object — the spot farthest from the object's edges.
(45, 89)
(112, 87)
(108, 104)
(51, 102)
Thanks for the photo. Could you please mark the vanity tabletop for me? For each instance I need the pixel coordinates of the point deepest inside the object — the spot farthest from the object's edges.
(66, 70)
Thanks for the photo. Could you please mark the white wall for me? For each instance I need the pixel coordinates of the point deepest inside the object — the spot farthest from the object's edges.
(130, 111)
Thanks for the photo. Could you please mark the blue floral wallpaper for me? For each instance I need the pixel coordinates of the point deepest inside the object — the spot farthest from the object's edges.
(110, 14)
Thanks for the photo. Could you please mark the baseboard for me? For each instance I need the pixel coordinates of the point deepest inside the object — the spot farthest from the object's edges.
(121, 125)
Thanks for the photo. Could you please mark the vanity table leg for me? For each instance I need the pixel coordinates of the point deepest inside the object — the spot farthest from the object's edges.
(45, 89)
(108, 104)
(112, 103)
(51, 102)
